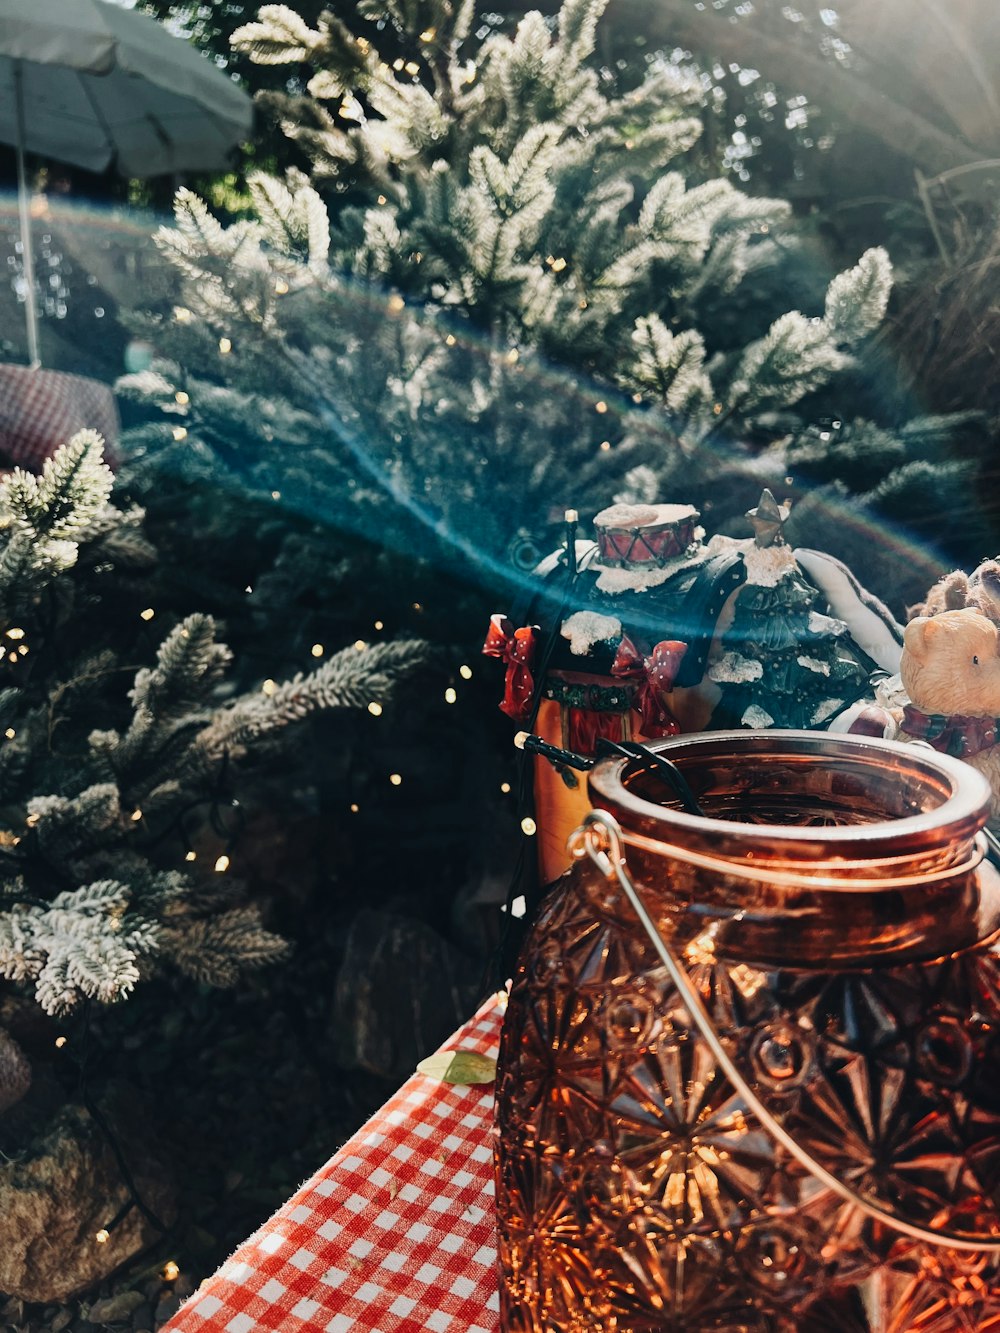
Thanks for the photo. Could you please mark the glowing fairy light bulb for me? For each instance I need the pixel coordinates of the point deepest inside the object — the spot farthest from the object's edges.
(103, 1236)
(505, 788)
(601, 407)
(465, 672)
(528, 827)
(317, 650)
(451, 695)
(190, 856)
(148, 614)
(136, 816)
(170, 1271)
(222, 863)
(396, 779)
(281, 286)
(179, 432)
(395, 304)
(60, 1043)
(181, 397)
(379, 624)
(10, 733)
(375, 708)
(225, 346)
(269, 687)
(355, 807)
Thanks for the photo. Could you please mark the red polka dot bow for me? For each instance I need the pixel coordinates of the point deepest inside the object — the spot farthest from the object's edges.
(515, 647)
(655, 676)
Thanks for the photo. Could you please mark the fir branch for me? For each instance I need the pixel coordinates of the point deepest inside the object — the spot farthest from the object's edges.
(279, 37)
(671, 366)
(578, 20)
(349, 679)
(796, 356)
(216, 951)
(856, 299)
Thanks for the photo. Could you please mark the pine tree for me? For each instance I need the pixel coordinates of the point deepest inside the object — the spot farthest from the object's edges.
(100, 884)
(497, 294)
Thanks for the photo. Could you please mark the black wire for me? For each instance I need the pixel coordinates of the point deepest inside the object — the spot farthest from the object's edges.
(83, 1092)
(665, 768)
(629, 749)
(500, 964)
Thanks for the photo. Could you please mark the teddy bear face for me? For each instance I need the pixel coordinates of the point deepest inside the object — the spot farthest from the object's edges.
(951, 664)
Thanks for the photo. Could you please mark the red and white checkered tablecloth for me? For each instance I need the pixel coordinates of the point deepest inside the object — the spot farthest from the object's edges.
(396, 1234)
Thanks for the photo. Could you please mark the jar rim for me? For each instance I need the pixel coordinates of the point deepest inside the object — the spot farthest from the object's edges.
(961, 813)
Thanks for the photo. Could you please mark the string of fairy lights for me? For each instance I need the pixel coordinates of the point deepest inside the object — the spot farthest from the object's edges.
(14, 648)
(12, 645)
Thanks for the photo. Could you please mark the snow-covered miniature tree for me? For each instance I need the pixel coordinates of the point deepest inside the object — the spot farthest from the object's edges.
(498, 293)
(787, 662)
(115, 750)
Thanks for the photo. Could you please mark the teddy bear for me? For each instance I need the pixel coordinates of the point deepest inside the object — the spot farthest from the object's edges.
(950, 669)
(979, 590)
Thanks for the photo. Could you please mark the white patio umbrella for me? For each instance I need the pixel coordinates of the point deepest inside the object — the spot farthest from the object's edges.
(91, 84)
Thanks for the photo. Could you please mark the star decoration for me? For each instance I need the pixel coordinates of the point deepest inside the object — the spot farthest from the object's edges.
(767, 520)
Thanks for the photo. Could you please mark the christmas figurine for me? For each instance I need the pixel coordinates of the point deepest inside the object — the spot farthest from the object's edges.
(661, 632)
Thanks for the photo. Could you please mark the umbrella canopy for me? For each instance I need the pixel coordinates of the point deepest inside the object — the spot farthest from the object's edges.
(94, 85)
(103, 85)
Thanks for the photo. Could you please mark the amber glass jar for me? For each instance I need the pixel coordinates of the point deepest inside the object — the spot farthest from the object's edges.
(836, 922)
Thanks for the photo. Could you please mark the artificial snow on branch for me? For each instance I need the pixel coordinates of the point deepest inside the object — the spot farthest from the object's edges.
(487, 215)
(92, 819)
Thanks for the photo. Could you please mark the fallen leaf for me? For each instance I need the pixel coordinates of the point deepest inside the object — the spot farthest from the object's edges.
(459, 1067)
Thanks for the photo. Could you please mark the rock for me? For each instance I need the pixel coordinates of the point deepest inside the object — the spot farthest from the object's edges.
(142, 1317)
(167, 1307)
(401, 990)
(64, 1188)
(15, 1072)
(12, 1312)
(115, 1309)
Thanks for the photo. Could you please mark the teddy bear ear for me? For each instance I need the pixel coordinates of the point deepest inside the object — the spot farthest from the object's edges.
(918, 635)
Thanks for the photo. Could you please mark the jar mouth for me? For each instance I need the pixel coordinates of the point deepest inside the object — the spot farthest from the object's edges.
(799, 795)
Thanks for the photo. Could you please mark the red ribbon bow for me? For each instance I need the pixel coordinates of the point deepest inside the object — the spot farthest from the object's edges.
(655, 676)
(516, 647)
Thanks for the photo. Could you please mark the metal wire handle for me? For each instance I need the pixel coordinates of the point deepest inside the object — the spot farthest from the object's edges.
(600, 838)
